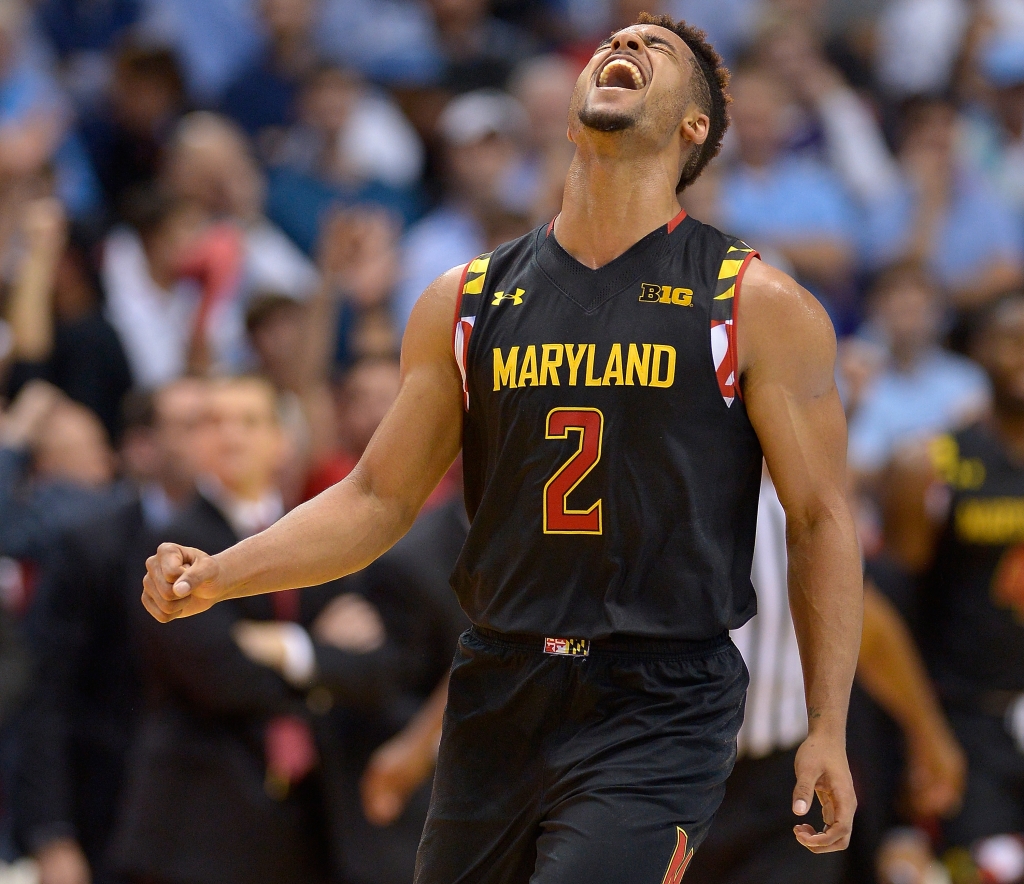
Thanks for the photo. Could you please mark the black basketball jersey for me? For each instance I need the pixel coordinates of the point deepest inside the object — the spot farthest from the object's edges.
(973, 612)
(611, 471)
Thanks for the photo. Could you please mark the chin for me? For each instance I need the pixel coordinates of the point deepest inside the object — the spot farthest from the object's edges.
(606, 120)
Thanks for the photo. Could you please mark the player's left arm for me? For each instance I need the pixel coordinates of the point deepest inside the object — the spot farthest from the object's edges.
(786, 361)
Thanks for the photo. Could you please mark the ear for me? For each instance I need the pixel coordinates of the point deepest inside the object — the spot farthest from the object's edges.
(695, 126)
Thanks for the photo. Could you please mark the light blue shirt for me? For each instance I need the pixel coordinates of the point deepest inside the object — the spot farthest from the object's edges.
(439, 241)
(979, 227)
(935, 395)
(795, 198)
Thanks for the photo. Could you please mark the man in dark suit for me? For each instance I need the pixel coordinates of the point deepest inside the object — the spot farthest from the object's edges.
(79, 716)
(218, 790)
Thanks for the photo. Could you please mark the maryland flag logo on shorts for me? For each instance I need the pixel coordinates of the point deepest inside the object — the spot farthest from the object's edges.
(680, 860)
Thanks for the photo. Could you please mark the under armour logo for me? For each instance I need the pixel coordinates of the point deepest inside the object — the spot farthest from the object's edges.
(515, 297)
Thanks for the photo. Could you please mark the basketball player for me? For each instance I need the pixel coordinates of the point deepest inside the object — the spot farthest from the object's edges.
(956, 517)
(612, 403)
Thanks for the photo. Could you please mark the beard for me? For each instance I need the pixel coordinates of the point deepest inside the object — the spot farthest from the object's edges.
(606, 121)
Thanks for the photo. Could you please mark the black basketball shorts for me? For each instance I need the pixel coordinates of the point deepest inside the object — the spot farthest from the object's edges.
(559, 768)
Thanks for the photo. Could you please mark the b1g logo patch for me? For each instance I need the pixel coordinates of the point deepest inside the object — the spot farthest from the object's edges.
(680, 861)
(665, 294)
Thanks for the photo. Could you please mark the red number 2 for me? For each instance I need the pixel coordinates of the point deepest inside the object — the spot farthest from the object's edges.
(558, 518)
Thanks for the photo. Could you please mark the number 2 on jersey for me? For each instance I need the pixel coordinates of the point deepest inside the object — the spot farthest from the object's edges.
(588, 423)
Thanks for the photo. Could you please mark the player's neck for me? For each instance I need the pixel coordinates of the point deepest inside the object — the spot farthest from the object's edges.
(612, 202)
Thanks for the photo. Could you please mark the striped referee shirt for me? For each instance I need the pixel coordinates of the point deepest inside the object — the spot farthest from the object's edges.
(776, 714)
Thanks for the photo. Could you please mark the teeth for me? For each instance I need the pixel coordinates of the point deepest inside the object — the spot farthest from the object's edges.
(628, 66)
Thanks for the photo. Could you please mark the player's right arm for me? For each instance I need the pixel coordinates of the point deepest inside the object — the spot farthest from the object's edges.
(349, 525)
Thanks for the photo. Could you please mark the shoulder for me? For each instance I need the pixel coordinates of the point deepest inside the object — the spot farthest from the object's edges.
(440, 297)
(780, 321)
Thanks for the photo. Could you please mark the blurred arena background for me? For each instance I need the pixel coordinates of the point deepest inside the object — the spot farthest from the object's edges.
(215, 217)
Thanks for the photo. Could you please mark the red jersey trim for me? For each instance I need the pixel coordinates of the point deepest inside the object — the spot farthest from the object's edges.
(458, 302)
(675, 222)
(734, 349)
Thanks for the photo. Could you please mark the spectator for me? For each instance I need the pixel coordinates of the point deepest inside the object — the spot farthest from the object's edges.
(730, 24)
(299, 344)
(210, 163)
(479, 50)
(918, 45)
(153, 309)
(197, 805)
(126, 136)
(59, 332)
(260, 773)
(839, 124)
(265, 92)
(795, 205)
(363, 398)
(34, 118)
(921, 389)
(994, 136)
(349, 135)
(214, 41)
(80, 715)
(361, 254)
(482, 158)
(943, 215)
(543, 85)
(56, 470)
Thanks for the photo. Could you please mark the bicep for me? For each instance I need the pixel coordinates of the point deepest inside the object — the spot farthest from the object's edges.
(422, 432)
(788, 352)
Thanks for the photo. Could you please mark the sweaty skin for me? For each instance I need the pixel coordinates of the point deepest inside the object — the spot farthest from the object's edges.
(620, 187)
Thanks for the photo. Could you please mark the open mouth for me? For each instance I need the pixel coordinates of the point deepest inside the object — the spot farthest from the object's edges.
(621, 73)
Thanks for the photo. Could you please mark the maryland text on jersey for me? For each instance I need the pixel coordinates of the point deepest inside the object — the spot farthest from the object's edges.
(584, 365)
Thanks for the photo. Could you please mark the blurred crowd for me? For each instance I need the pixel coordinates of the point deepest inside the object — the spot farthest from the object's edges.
(215, 218)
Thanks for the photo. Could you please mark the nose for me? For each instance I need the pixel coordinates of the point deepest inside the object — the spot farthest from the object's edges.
(626, 40)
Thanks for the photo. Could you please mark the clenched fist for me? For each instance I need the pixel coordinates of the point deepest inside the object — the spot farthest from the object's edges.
(180, 581)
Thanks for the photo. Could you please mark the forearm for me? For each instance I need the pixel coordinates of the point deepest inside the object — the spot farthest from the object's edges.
(826, 598)
(337, 533)
(891, 671)
(424, 728)
(30, 310)
(857, 147)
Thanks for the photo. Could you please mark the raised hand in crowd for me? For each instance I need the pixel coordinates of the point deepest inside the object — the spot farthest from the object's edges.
(22, 423)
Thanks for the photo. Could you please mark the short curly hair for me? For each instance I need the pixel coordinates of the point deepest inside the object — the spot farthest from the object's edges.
(710, 91)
